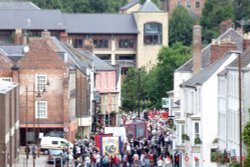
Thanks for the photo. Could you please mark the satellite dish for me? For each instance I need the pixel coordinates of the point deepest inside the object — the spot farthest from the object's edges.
(26, 49)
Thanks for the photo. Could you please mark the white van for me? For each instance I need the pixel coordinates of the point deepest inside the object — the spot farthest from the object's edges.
(48, 142)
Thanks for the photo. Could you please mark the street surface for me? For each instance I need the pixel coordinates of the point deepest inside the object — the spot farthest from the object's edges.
(39, 162)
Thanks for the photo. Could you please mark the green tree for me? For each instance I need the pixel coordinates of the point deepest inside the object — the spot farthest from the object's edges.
(180, 26)
(242, 12)
(82, 6)
(129, 90)
(213, 13)
(170, 58)
(246, 140)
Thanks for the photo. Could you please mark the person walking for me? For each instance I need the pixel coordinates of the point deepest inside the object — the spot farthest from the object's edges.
(27, 151)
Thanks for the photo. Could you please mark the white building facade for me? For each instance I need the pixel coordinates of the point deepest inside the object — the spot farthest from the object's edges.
(199, 115)
(228, 104)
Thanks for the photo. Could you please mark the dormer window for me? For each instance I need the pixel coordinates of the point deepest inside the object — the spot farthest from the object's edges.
(197, 3)
(152, 34)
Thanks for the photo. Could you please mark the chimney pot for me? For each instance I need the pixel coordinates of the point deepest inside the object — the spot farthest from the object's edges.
(45, 33)
(196, 49)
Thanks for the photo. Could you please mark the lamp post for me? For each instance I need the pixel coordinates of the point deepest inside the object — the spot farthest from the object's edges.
(240, 113)
(26, 129)
(139, 92)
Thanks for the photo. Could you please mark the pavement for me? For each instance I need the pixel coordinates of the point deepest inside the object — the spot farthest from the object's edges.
(40, 161)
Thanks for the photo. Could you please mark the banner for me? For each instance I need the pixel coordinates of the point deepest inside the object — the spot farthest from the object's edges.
(110, 145)
(98, 139)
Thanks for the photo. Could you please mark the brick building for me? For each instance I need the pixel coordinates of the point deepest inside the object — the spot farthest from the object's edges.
(54, 88)
(9, 122)
(194, 6)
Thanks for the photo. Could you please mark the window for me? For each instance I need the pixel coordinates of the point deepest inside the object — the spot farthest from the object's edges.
(6, 79)
(101, 43)
(124, 71)
(55, 142)
(152, 34)
(114, 103)
(41, 109)
(126, 43)
(197, 3)
(179, 2)
(196, 130)
(104, 103)
(104, 56)
(106, 80)
(78, 43)
(188, 4)
(41, 82)
(125, 57)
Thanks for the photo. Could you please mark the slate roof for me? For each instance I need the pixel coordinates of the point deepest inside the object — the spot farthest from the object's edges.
(130, 4)
(100, 23)
(100, 65)
(205, 74)
(31, 19)
(14, 52)
(18, 6)
(245, 59)
(149, 6)
(74, 61)
(230, 33)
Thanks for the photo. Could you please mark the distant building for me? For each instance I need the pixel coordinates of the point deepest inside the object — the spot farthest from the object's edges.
(193, 6)
(131, 38)
(9, 122)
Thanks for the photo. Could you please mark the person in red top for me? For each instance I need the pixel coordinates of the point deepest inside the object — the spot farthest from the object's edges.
(116, 160)
(151, 158)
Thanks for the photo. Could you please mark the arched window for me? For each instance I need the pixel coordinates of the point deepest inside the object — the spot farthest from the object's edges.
(152, 34)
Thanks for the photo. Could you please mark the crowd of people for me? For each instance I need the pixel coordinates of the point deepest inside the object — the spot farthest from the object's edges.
(152, 150)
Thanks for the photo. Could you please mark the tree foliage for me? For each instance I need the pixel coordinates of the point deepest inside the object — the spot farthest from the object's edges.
(82, 6)
(246, 140)
(129, 90)
(156, 82)
(180, 26)
(242, 12)
(213, 13)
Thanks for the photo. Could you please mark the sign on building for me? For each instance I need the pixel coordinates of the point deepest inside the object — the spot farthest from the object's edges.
(165, 102)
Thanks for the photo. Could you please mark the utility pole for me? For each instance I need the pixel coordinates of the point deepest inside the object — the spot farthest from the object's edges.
(139, 92)
(240, 113)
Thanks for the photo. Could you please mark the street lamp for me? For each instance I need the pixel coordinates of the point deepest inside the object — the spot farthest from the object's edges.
(139, 92)
(240, 113)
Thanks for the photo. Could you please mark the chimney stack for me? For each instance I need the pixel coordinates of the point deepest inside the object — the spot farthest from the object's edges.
(45, 33)
(219, 48)
(88, 45)
(225, 25)
(63, 36)
(196, 50)
(246, 41)
(18, 38)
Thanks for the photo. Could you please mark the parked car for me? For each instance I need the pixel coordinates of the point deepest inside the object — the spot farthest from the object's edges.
(48, 142)
(55, 155)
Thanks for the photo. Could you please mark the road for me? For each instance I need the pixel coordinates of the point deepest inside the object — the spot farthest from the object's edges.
(39, 162)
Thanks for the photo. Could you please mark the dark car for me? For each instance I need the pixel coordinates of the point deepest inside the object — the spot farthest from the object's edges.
(56, 155)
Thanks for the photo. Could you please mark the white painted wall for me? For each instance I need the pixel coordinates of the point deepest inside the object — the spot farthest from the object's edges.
(203, 101)
(180, 77)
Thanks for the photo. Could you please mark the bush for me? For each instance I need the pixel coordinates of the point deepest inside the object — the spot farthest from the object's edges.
(185, 137)
(197, 140)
